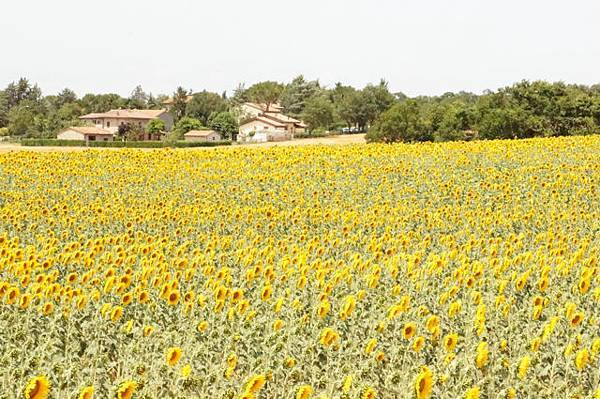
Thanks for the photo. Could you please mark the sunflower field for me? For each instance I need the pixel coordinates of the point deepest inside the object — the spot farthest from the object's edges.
(454, 270)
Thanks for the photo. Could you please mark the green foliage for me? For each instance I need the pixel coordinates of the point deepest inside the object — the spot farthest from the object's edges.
(95, 103)
(179, 103)
(155, 126)
(186, 124)
(204, 104)
(224, 123)
(319, 113)
(138, 99)
(265, 92)
(21, 121)
(3, 131)
(296, 94)
(403, 122)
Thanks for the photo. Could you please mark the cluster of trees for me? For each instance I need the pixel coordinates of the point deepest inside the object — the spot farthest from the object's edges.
(525, 109)
(24, 112)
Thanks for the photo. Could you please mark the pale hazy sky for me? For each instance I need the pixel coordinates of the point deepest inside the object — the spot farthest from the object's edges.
(420, 47)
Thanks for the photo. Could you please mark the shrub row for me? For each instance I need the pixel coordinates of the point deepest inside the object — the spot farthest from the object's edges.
(120, 144)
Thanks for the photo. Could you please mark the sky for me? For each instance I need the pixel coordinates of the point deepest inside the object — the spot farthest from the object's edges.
(421, 47)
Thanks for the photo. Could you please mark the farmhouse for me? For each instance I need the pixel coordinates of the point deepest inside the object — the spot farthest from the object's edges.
(85, 133)
(112, 119)
(267, 123)
(202, 135)
(261, 129)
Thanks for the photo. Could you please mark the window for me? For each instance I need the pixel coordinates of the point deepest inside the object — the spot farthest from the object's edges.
(107, 124)
(92, 138)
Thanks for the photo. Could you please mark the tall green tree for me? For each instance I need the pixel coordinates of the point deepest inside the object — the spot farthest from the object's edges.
(267, 93)
(179, 103)
(295, 95)
(318, 113)
(403, 122)
(224, 123)
(204, 104)
(21, 121)
(138, 98)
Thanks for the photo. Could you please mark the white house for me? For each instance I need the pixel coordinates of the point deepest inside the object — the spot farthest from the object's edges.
(261, 129)
(112, 119)
(85, 133)
(261, 122)
(202, 135)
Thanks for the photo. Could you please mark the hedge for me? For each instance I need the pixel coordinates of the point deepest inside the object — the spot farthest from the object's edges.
(120, 144)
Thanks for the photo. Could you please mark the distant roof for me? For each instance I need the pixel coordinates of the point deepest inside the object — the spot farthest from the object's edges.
(275, 107)
(127, 114)
(281, 118)
(88, 130)
(199, 133)
(170, 101)
(267, 121)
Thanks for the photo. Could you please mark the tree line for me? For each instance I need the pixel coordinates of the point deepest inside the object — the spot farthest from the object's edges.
(524, 109)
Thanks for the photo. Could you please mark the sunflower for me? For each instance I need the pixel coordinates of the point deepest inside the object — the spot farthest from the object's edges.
(347, 384)
(371, 344)
(86, 393)
(173, 355)
(37, 388)
(369, 393)
(472, 393)
(173, 298)
(582, 359)
(409, 331)
(524, 366)
(418, 343)
(126, 389)
(450, 342)
(304, 392)
(424, 383)
(148, 330)
(576, 319)
(482, 356)
(116, 313)
(48, 308)
(255, 383)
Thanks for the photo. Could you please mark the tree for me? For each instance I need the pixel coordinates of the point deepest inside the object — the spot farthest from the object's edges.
(183, 126)
(267, 93)
(156, 102)
(179, 103)
(318, 113)
(4, 109)
(296, 94)
(155, 126)
(224, 123)
(380, 97)
(343, 97)
(20, 121)
(402, 122)
(204, 104)
(22, 91)
(138, 98)
(240, 95)
(94, 103)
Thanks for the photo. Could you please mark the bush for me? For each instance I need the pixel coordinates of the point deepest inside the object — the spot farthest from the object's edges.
(52, 143)
(120, 144)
